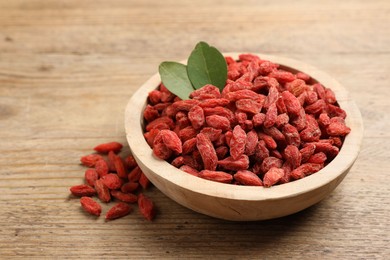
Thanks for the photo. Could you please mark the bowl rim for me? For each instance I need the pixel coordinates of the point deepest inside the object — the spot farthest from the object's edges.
(341, 163)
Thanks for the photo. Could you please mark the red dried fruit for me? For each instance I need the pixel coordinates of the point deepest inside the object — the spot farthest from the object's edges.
(302, 76)
(207, 152)
(311, 97)
(292, 154)
(149, 136)
(91, 206)
(249, 105)
(185, 105)
(220, 111)
(159, 147)
(146, 207)
(337, 128)
(229, 163)
(273, 176)
(320, 90)
(305, 170)
(316, 108)
(292, 135)
(171, 140)
(307, 151)
(251, 141)
(189, 170)
(90, 160)
(237, 142)
(82, 190)
(245, 177)
(282, 76)
(101, 168)
(154, 97)
(210, 90)
(270, 116)
(273, 95)
(120, 167)
(258, 120)
(274, 133)
(218, 122)
(129, 187)
(125, 197)
(334, 111)
(110, 161)
(296, 87)
(214, 102)
(130, 162)
(318, 158)
(112, 181)
(91, 176)
(187, 133)
(269, 163)
(106, 147)
(102, 191)
(211, 133)
(268, 140)
(196, 117)
(261, 151)
(293, 105)
(281, 120)
(189, 146)
(144, 181)
(164, 120)
(119, 210)
(243, 94)
(218, 176)
(221, 152)
(135, 174)
(150, 113)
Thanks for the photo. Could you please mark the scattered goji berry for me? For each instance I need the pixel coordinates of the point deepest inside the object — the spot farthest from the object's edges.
(82, 190)
(91, 206)
(119, 210)
(146, 207)
(106, 147)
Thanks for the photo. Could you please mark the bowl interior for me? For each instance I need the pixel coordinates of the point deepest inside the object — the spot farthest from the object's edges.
(171, 175)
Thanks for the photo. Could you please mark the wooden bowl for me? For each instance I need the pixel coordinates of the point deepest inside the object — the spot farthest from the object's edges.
(243, 203)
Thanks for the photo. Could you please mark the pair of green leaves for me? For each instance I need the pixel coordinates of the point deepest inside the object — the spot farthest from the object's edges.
(206, 65)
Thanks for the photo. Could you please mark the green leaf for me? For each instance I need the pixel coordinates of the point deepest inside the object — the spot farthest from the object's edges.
(174, 77)
(206, 65)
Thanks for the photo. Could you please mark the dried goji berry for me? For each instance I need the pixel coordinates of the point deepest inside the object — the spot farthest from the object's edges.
(106, 147)
(269, 163)
(102, 191)
(144, 181)
(273, 176)
(119, 210)
(196, 117)
(135, 174)
(207, 151)
(90, 160)
(218, 122)
(218, 176)
(247, 178)
(91, 206)
(146, 207)
(125, 197)
(112, 181)
(101, 167)
(129, 187)
(189, 170)
(237, 142)
(82, 190)
(240, 163)
(91, 176)
(120, 167)
(130, 162)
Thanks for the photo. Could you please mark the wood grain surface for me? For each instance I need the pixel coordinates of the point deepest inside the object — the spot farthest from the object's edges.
(68, 69)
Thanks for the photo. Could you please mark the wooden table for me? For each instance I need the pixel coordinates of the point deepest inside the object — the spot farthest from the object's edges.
(68, 68)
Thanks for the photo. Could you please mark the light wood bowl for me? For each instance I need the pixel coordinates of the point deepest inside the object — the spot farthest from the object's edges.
(244, 203)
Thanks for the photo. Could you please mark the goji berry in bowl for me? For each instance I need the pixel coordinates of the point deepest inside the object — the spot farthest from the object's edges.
(241, 202)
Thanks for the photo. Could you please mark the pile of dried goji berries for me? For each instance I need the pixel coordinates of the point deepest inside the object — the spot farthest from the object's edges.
(267, 126)
(113, 178)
